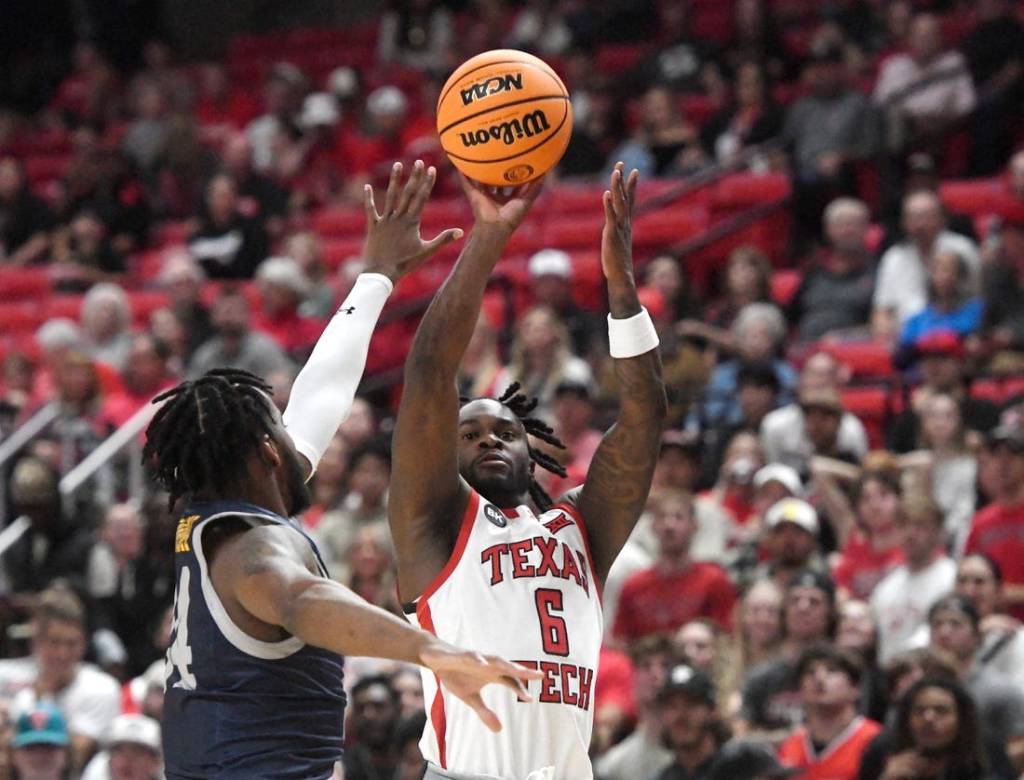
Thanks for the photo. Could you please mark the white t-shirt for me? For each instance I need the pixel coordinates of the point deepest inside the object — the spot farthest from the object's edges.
(952, 95)
(89, 703)
(901, 602)
(902, 282)
(784, 437)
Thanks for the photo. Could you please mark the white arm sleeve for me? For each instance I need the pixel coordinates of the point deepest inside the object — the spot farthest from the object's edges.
(323, 391)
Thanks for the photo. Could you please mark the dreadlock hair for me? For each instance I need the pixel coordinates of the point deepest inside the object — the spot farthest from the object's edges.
(199, 436)
(521, 405)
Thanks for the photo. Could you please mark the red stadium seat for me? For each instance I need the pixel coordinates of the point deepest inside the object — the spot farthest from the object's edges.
(41, 169)
(69, 306)
(18, 318)
(144, 303)
(340, 221)
(573, 199)
(784, 285)
(743, 190)
(616, 58)
(871, 406)
(668, 226)
(570, 233)
(18, 283)
(337, 250)
(863, 358)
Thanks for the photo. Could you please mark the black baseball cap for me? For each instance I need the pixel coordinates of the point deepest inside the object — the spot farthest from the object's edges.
(689, 680)
(743, 759)
(809, 578)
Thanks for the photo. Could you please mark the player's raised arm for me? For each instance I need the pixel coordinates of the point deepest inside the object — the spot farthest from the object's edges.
(427, 488)
(619, 479)
(323, 391)
(269, 572)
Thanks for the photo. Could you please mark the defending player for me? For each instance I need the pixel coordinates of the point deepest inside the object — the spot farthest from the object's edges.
(488, 558)
(254, 670)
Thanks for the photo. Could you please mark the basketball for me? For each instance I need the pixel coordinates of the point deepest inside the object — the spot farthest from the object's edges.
(504, 118)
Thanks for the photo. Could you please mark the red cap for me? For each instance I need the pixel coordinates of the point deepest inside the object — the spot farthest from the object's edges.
(941, 342)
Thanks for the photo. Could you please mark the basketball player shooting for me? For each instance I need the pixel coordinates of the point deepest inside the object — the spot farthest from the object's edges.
(254, 668)
(488, 558)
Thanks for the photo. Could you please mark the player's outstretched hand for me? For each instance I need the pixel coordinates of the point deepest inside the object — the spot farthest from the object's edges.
(493, 209)
(464, 673)
(393, 243)
(617, 236)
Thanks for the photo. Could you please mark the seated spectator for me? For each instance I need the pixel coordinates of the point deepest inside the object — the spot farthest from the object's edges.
(827, 132)
(937, 733)
(368, 568)
(1003, 294)
(757, 37)
(283, 286)
(757, 391)
(146, 139)
(541, 358)
(365, 504)
(955, 627)
(998, 529)
(420, 35)
(872, 548)
(259, 196)
(757, 639)
(952, 303)
(283, 89)
(550, 272)
(771, 699)
(785, 436)
(664, 273)
(857, 634)
(481, 364)
(366, 155)
(927, 88)
(665, 143)
(753, 117)
(950, 468)
(834, 736)
(25, 220)
(39, 748)
(305, 249)
(373, 717)
(407, 681)
(730, 501)
(834, 295)
(642, 753)
(308, 164)
(573, 412)
(689, 721)
(901, 287)
(901, 601)
(235, 344)
(789, 542)
(88, 699)
(980, 579)
(758, 332)
(145, 375)
(697, 589)
(681, 62)
(85, 254)
(132, 751)
(993, 49)
(941, 359)
(221, 108)
(748, 274)
(227, 243)
(747, 757)
(54, 546)
(182, 278)
(106, 323)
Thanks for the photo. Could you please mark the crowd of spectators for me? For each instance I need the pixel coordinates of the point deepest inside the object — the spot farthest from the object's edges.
(809, 586)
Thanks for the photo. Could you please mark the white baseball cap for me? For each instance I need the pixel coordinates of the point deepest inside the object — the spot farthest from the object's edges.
(781, 473)
(551, 262)
(135, 730)
(319, 109)
(795, 511)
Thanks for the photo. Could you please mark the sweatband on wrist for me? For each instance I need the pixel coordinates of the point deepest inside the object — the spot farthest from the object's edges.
(322, 393)
(632, 336)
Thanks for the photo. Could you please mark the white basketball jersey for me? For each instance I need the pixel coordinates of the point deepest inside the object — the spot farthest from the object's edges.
(522, 587)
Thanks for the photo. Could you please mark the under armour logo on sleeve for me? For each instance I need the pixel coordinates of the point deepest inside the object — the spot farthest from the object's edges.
(349, 310)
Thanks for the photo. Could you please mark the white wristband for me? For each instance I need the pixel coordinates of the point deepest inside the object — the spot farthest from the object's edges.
(632, 336)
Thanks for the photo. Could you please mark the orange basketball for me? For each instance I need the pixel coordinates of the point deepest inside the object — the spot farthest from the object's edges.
(504, 117)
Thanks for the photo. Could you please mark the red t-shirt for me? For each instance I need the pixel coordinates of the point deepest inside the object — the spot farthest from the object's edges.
(840, 759)
(860, 566)
(998, 531)
(653, 602)
(291, 332)
(614, 685)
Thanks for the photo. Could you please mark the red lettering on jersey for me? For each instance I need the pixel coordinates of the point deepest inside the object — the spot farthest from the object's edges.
(493, 555)
(549, 694)
(583, 571)
(586, 678)
(556, 525)
(567, 695)
(547, 549)
(569, 568)
(520, 567)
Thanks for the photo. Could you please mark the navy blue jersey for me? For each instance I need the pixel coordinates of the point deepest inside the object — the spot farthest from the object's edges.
(235, 707)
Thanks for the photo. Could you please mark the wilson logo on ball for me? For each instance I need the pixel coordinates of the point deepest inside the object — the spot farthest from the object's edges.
(508, 132)
(492, 86)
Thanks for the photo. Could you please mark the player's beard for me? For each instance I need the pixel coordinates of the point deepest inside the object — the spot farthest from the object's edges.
(502, 490)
